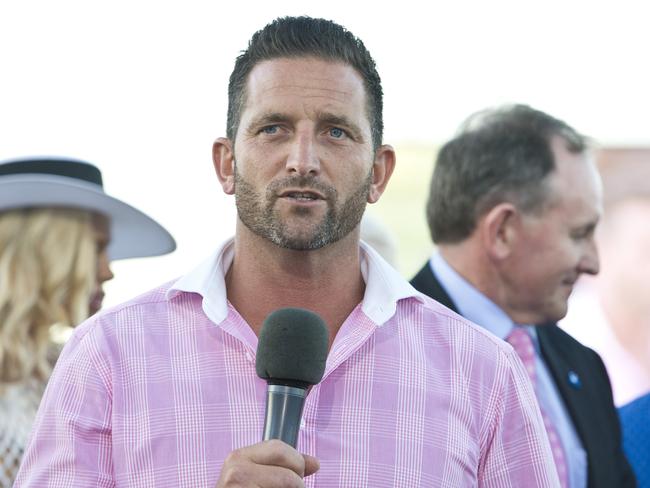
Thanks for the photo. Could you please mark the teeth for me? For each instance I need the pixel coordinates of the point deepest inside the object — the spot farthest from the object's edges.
(302, 196)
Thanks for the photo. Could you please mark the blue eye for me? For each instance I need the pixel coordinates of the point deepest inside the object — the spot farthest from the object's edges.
(336, 132)
(271, 129)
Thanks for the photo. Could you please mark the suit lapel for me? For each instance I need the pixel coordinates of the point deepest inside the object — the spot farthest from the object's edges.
(426, 282)
(574, 395)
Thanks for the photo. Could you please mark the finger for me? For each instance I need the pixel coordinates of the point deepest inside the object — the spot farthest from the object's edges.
(278, 477)
(259, 475)
(278, 453)
(311, 464)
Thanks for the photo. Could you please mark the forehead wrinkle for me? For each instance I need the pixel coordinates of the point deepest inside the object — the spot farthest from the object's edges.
(311, 91)
(273, 74)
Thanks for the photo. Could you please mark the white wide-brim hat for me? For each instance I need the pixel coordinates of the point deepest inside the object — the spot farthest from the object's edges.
(58, 182)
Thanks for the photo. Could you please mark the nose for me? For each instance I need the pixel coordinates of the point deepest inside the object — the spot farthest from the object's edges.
(104, 272)
(303, 155)
(590, 262)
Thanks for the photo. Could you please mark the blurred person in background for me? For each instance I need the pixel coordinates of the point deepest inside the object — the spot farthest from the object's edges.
(635, 422)
(514, 202)
(58, 232)
(380, 237)
(610, 312)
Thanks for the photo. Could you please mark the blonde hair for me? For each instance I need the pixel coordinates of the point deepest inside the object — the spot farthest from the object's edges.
(47, 275)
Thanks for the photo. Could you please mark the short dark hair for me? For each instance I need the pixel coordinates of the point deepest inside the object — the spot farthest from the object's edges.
(295, 37)
(499, 155)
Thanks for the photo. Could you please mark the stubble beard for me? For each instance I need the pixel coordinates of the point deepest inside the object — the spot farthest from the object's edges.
(261, 216)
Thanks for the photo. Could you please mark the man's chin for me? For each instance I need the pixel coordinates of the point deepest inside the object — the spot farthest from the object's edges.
(301, 237)
(300, 244)
(558, 312)
(540, 314)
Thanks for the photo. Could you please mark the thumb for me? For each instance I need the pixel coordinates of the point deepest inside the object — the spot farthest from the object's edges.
(311, 464)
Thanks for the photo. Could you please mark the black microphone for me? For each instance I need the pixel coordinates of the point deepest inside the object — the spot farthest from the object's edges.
(291, 356)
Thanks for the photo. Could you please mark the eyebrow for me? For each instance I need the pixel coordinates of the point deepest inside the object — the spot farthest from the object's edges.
(269, 118)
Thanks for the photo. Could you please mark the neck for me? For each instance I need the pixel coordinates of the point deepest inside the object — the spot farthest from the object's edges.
(470, 261)
(264, 277)
(465, 259)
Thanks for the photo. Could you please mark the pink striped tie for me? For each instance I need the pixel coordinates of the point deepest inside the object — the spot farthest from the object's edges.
(523, 346)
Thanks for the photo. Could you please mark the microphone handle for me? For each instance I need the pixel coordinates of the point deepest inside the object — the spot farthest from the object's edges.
(283, 413)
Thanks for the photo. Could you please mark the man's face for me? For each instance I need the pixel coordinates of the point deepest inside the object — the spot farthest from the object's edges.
(303, 152)
(555, 246)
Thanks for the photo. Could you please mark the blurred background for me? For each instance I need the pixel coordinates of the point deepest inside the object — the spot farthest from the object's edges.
(139, 88)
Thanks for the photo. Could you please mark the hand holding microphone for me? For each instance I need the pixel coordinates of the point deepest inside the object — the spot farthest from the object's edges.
(267, 464)
(291, 356)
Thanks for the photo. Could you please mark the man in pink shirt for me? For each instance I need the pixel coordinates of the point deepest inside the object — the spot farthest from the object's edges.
(162, 391)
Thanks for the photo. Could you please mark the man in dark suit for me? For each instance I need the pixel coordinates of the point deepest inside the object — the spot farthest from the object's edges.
(515, 198)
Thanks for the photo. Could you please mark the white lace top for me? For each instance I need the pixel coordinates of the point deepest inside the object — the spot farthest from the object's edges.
(18, 405)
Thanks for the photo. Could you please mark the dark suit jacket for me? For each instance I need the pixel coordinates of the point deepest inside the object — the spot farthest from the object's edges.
(588, 400)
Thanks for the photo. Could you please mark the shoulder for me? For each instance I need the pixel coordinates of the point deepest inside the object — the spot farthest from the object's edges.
(635, 423)
(637, 410)
(476, 364)
(132, 318)
(443, 327)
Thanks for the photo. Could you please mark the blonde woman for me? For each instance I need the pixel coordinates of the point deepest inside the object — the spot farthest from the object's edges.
(58, 230)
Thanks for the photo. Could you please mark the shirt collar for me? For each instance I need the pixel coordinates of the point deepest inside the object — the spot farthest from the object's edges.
(384, 285)
(471, 303)
(208, 280)
(474, 305)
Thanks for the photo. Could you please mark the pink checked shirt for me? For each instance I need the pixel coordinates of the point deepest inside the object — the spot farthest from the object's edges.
(156, 392)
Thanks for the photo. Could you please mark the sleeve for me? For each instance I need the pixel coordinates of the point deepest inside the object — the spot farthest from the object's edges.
(514, 445)
(71, 442)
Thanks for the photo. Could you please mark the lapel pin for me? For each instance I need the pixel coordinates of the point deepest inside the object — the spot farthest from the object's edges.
(574, 380)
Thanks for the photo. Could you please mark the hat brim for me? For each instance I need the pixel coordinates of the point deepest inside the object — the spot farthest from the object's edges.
(133, 233)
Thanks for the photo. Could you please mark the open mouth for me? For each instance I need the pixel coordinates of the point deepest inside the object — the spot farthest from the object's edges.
(302, 196)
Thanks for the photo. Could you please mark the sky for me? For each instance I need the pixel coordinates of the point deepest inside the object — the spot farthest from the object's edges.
(139, 87)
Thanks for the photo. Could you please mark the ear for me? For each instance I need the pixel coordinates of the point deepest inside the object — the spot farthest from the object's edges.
(499, 229)
(382, 169)
(223, 159)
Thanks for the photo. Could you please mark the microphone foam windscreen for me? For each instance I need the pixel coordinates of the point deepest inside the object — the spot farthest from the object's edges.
(292, 347)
